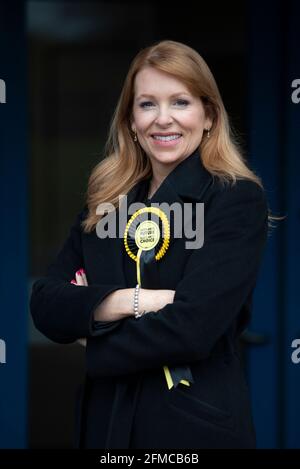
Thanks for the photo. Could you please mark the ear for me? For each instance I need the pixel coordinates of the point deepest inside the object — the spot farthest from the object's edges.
(131, 122)
(208, 123)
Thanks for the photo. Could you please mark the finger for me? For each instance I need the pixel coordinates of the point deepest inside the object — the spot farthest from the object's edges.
(83, 275)
(79, 279)
(85, 282)
(73, 281)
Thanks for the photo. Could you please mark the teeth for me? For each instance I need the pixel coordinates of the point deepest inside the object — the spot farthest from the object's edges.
(166, 138)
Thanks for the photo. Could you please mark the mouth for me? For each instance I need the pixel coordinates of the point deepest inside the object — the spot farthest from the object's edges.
(166, 139)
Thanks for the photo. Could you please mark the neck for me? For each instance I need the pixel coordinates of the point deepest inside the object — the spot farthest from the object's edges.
(158, 177)
(154, 185)
(159, 172)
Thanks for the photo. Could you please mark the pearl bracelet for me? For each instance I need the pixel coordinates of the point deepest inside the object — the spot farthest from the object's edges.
(136, 303)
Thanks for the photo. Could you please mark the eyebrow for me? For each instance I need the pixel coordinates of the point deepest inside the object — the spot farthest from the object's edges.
(171, 96)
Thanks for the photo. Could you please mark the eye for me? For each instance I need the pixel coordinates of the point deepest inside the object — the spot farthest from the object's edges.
(178, 102)
(145, 104)
(182, 102)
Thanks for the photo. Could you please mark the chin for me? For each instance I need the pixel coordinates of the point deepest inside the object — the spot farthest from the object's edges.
(167, 161)
(166, 157)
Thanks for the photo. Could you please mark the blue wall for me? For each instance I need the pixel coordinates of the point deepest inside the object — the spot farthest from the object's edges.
(13, 226)
(274, 125)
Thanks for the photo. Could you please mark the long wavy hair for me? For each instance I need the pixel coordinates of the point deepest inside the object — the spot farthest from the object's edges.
(125, 163)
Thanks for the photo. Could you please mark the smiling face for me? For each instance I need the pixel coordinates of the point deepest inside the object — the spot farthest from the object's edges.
(168, 119)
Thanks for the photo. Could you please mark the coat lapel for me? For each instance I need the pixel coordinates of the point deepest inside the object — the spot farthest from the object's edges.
(185, 185)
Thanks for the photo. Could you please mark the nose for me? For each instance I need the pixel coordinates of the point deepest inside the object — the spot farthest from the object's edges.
(164, 116)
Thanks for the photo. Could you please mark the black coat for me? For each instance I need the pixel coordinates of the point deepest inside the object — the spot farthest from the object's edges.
(125, 402)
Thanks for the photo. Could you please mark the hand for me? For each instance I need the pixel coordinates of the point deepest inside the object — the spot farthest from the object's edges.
(154, 300)
(81, 281)
(163, 298)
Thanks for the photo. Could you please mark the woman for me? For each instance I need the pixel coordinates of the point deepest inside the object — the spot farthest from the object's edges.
(161, 334)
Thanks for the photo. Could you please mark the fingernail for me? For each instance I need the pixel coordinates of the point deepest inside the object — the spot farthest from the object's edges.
(82, 271)
(78, 272)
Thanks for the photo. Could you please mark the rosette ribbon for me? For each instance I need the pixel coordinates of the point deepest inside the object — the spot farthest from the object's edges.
(146, 242)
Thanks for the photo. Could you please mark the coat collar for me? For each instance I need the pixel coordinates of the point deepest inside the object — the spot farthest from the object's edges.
(188, 181)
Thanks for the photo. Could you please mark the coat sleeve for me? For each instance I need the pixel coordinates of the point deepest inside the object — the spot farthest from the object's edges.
(216, 282)
(61, 311)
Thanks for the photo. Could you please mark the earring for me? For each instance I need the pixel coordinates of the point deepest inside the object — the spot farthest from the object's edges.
(135, 137)
(208, 132)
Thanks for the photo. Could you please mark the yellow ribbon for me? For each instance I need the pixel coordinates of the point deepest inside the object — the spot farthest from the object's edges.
(165, 368)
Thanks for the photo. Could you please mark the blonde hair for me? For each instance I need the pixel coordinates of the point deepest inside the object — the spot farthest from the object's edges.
(125, 163)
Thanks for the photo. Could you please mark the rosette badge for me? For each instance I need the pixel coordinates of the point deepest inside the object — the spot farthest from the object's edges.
(146, 239)
(143, 234)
